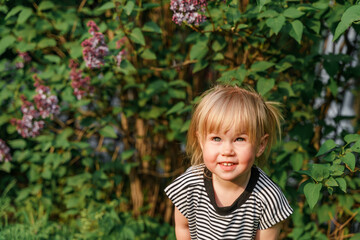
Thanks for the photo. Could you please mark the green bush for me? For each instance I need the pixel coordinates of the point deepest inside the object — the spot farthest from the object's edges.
(120, 78)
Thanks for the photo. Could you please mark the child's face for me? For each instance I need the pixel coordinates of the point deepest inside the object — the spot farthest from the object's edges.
(230, 155)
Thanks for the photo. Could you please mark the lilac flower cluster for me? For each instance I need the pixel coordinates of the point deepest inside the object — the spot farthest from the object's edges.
(47, 105)
(94, 48)
(188, 11)
(120, 56)
(81, 86)
(28, 126)
(4, 152)
(25, 59)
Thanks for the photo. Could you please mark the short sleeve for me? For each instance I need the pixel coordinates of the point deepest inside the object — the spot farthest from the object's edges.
(275, 207)
(179, 191)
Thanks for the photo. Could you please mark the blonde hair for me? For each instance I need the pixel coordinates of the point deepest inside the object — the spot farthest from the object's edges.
(223, 107)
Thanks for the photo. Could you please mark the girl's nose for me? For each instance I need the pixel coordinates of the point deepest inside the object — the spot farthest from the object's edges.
(227, 149)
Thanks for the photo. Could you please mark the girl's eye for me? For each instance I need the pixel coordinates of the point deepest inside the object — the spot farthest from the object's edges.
(216, 139)
(240, 139)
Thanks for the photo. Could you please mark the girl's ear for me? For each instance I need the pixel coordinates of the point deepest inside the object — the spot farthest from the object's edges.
(262, 145)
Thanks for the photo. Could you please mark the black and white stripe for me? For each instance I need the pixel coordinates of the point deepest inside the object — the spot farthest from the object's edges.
(260, 206)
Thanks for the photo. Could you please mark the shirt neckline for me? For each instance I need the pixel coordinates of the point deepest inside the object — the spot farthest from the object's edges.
(239, 201)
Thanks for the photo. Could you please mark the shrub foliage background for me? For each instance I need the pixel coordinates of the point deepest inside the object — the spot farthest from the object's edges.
(97, 167)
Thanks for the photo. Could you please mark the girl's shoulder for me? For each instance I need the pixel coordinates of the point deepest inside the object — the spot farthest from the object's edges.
(184, 186)
(266, 189)
(192, 175)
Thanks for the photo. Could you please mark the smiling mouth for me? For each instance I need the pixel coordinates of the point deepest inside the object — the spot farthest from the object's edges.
(227, 163)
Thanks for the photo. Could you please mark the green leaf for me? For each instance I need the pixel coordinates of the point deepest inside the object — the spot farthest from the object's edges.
(5, 42)
(45, 5)
(62, 138)
(304, 172)
(349, 160)
(185, 126)
(261, 66)
(200, 65)
(331, 182)
(356, 147)
(269, 13)
(46, 42)
(153, 113)
(218, 56)
(342, 184)
(108, 131)
(337, 170)
(333, 87)
(236, 75)
(105, 6)
(291, 146)
(296, 161)
(321, 5)
(326, 147)
(129, 7)
(280, 67)
(312, 193)
(198, 51)
(151, 27)
(14, 11)
(148, 54)
(18, 143)
(5, 166)
(293, 13)
(75, 50)
(46, 174)
(287, 86)
(127, 154)
(137, 36)
(276, 23)
(264, 85)
(126, 67)
(320, 172)
(24, 15)
(53, 58)
(78, 180)
(314, 25)
(352, 14)
(262, 3)
(3, 9)
(176, 108)
(218, 45)
(296, 30)
(352, 138)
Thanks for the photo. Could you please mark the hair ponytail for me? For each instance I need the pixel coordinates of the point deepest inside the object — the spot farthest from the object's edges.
(272, 127)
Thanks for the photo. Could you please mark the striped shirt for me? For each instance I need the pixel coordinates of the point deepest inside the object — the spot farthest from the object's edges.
(260, 206)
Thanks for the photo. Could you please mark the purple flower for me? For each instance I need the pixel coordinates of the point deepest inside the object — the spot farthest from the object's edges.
(25, 59)
(47, 106)
(4, 152)
(46, 103)
(120, 56)
(25, 56)
(94, 48)
(81, 86)
(188, 11)
(28, 126)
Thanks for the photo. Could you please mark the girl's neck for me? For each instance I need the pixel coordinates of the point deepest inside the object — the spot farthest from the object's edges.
(226, 192)
(239, 182)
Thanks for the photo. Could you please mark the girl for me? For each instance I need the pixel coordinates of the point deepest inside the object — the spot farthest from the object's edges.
(224, 195)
